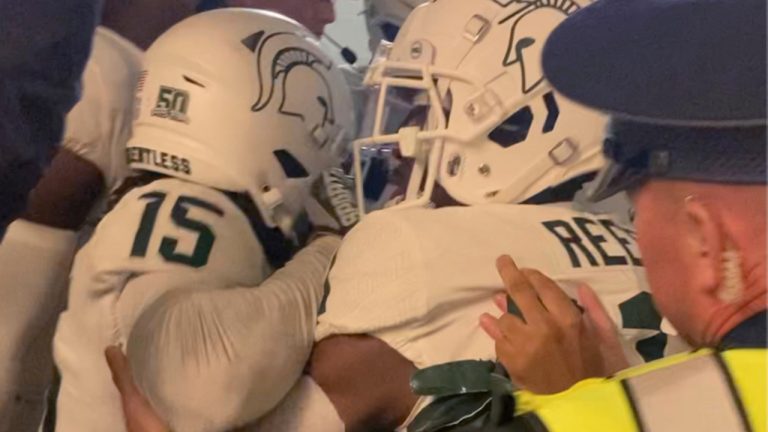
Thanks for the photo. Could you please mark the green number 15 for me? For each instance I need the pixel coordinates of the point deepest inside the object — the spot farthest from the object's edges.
(179, 214)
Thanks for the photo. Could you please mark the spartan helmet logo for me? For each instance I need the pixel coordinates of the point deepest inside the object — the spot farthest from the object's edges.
(532, 22)
(286, 71)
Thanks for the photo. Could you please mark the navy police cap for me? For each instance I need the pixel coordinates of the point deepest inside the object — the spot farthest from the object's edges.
(684, 80)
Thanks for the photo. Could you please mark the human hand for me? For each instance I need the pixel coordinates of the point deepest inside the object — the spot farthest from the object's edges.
(602, 327)
(551, 346)
(139, 415)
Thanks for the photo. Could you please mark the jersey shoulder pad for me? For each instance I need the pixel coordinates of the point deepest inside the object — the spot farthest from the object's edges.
(376, 259)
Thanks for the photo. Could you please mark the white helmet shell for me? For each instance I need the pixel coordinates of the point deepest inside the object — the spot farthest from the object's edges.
(495, 130)
(244, 101)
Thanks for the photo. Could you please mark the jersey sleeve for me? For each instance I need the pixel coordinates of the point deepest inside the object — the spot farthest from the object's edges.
(99, 126)
(225, 357)
(84, 122)
(34, 265)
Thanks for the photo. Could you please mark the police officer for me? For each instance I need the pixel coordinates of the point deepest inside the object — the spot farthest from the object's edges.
(685, 83)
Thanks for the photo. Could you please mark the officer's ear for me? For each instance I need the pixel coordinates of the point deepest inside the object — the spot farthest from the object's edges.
(703, 243)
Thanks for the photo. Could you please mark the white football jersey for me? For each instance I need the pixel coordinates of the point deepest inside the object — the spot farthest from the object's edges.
(168, 235)
(419, 279)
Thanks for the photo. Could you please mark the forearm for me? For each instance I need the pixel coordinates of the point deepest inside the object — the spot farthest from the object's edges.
(34, 265)
(215, 359)
(66, 194)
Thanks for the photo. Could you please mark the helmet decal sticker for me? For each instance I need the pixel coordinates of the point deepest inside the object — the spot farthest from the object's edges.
(172, 104)
(282, 70)
(524, 50)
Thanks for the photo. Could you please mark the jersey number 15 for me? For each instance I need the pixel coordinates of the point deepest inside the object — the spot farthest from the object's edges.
(180, 217)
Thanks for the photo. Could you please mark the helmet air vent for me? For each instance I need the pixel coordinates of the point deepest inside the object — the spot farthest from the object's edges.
(514, 130)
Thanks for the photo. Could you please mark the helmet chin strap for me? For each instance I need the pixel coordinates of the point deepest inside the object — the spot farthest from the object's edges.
(278, 213)
(274, 211)
(285, 222)
(279, 248)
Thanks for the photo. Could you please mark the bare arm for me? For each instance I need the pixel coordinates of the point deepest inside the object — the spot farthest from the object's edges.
(66, 193)
(366, 380)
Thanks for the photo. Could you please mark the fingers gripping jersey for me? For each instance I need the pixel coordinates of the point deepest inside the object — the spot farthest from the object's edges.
(419, 279)
(169, 235)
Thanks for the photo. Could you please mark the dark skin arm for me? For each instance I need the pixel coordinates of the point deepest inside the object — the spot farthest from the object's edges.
(366, 380)
(66, 194)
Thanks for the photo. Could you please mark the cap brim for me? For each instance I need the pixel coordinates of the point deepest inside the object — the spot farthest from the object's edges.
(679, 62)
(613, 179)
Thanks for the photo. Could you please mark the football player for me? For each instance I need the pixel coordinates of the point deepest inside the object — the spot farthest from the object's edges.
(488, 142)
(238, 113)
(38, 250)
(383, 20)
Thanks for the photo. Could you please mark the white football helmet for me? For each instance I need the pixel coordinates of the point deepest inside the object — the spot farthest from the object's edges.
(491, 128)
(384, 18)
(242, 100)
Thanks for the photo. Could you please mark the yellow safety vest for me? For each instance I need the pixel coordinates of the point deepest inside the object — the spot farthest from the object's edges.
(704, 391)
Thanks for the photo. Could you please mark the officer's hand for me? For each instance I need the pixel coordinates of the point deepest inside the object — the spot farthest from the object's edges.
(139, 415)
(332, 206)
(601, 326)
(551, 345)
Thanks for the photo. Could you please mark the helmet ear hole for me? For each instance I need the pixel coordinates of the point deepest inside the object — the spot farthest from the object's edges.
(291, 166)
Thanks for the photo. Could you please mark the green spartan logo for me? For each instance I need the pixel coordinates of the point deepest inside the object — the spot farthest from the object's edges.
(172, 103)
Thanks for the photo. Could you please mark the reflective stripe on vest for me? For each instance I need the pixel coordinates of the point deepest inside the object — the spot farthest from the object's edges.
(703, 385)
(703, 391)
